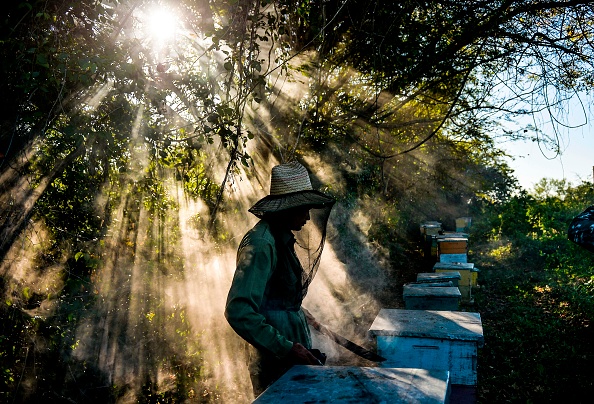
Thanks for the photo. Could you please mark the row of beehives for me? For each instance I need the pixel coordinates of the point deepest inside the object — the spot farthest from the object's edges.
(432, 332)
(430, 347)
(450, 249)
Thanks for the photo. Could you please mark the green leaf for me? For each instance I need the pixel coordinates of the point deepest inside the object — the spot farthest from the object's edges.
(84, 63)
(69, 130)
(41, 60)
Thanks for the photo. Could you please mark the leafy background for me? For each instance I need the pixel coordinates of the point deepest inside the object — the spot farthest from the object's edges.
(129, 157)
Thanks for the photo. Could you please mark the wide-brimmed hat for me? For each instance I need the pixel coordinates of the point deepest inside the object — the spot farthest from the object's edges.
(290, 187)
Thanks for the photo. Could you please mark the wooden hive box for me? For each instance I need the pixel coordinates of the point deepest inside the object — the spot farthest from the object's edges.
(468, 273)
(430, 228)
(452, 249)
(451, 258)
(431, 298)
(426, 339)
(468, 276)
(463, 223)
(429, 277)
(355, 385)
(430, 247)
(452, 245)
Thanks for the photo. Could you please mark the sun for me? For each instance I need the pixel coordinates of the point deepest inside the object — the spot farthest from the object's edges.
(161, 25)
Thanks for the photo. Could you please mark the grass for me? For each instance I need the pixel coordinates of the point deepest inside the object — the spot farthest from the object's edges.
(539, 343)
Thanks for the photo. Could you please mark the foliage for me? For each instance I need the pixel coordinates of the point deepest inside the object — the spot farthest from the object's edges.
(536, 301)
(98, 116)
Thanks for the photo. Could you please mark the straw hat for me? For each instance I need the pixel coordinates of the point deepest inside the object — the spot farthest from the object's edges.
(290, 187)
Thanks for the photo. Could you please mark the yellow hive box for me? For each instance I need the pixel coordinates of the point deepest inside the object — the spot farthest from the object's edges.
(463, 223)
(468, 273)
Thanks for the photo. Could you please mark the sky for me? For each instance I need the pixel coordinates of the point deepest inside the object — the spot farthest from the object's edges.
(576, 140)
(575, 164)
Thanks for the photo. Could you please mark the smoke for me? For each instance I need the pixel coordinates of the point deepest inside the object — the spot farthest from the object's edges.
(149, 320)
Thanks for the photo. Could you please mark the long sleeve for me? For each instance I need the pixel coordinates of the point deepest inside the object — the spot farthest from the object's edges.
(256, 260)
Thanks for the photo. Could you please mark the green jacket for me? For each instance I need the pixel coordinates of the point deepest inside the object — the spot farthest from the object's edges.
(264, 302)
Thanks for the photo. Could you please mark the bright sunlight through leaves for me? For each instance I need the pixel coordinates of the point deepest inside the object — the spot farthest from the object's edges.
(160, 25)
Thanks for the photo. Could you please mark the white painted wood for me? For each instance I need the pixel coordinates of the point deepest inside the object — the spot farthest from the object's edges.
(358, 385)
(453, 276)
(469, 266)
(453, 258)
(459, 357)
(446, 340)
(431, 298)
(435, 291)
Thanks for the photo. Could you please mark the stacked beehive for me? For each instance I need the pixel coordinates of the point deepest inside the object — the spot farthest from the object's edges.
(431, 332)
(432, 340)
(452, 248)
(429, 233)
(468, 276)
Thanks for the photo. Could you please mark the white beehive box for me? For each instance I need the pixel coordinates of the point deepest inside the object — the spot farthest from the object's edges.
(356, 385)
(431, 277)
(424, 339)
(431, 297)
(449, 258)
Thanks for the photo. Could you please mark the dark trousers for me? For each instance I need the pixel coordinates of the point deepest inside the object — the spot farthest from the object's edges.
(265, 370)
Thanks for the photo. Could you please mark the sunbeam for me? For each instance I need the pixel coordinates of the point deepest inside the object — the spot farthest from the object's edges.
(160, 25)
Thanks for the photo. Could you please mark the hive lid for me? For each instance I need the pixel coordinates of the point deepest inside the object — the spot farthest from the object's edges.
(433, 276)
(431, 291)
(453, 325)
(453, 235)
(427, 283)
(349, 384)
(430, 223)
(452, 240)
(455, 266)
